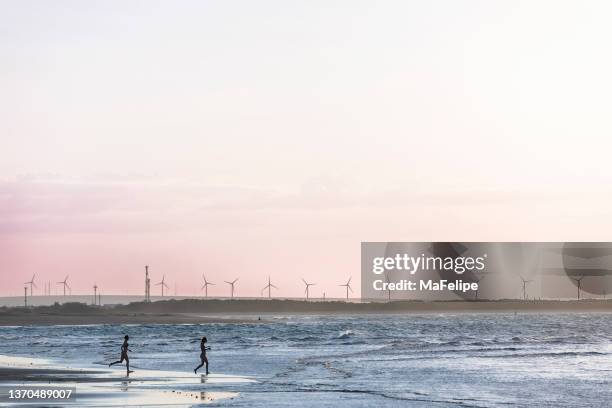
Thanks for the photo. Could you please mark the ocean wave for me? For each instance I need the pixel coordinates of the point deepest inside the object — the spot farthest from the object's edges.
(345, 334)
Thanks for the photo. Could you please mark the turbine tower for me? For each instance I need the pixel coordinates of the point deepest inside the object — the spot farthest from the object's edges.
(477, 281)
(579, 282)
(232, 283)
(162, 284)
(147, 285)
(269, 286)
(348, 286)
(308, 285)
(32, 284)
(65, 284)
(205, 286)
(388, 290)
(95, 287)
(25, 296)
(525, 282)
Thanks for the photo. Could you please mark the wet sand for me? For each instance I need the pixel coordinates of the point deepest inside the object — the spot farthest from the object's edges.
(110, 387)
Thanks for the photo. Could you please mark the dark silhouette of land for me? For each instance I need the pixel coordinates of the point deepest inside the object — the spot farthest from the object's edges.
(241, 310)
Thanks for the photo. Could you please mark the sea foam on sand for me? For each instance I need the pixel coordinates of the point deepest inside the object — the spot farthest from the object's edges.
(110, 387)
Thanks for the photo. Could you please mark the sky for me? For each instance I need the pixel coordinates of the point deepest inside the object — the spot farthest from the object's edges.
(254, 139)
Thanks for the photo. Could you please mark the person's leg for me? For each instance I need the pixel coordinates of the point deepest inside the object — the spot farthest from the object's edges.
(206, 361)
(127, 362)
(116, 362)
(198, 367)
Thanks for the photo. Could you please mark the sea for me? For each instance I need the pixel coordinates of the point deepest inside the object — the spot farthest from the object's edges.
(428, 360)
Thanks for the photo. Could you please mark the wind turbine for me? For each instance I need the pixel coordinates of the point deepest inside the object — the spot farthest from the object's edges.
(579, 282)
(525, 282)
(205, 286)
(269, 286)
(31, 283)
(65, 284)
(348, 286)
(308, 285)
(388, 290)
(162, 284)
(95, 288)
(477, 281)
(232, 283)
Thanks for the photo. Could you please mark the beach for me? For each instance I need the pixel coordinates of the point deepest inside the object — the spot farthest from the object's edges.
(106, 387)
(364, 360)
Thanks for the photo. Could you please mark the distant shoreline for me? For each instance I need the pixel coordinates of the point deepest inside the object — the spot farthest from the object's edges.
(39, 319)
(203, 311)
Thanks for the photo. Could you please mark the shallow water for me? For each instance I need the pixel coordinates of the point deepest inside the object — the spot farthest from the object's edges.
(472, 360)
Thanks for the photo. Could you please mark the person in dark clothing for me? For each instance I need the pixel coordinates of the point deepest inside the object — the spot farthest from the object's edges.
(124, 355)
(203, 359)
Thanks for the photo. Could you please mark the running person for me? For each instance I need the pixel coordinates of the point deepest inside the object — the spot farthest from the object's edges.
(124, 355)
(203, 359)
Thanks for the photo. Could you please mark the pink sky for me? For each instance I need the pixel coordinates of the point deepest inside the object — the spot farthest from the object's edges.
(272, 139)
